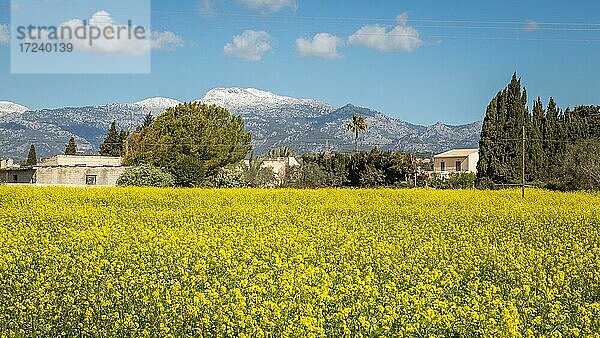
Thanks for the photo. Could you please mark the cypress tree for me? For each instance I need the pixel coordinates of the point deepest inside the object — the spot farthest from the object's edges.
(112, 145)
(550, 135)
(488, 144)
(500, 153)
(31, 157)
(71, 147)
(537, 157)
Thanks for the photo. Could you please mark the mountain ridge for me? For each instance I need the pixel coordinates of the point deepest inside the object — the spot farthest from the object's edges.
(305, 125)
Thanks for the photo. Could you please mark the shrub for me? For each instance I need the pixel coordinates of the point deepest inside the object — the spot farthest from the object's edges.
(228, 177)
(309, 175)
(146, 176)
(453, 181)
(462, 180)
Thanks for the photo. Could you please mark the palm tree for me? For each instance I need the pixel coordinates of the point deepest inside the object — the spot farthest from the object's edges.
(356, 126)
(281, 152)
(256, 175)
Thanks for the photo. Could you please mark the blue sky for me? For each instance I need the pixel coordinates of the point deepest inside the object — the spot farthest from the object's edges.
(446, 71)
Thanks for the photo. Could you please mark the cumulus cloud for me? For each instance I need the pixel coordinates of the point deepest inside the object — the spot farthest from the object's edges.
(4, 34)
(165, 41)
(250, 45)
(322, 45)
(114, 39)
(402, 37)
(531, 26)
(269, 5)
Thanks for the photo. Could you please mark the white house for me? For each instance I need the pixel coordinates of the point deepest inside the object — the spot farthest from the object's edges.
(279, 165)
(456, 161)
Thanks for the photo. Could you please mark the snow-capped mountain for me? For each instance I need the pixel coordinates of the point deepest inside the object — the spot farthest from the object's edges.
(7, 107)
(249, 101)
(305, 125)
(157, 104)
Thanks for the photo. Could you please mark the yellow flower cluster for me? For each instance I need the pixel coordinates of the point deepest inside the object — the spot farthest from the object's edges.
(274, 263)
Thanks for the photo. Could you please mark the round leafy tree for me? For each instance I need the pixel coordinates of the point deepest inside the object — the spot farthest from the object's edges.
(191, 142)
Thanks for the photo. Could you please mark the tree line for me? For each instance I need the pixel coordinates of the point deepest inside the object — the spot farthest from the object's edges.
(552, 137)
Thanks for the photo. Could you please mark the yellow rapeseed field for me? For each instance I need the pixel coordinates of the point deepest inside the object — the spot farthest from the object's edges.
(275, 263)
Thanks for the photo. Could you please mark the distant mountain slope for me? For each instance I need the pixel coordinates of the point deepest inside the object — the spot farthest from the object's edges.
(305, 125)
(50, 129)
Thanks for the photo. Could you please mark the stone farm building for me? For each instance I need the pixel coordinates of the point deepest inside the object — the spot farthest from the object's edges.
(66, 170)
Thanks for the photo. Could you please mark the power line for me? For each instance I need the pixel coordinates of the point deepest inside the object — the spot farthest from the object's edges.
(323, 19)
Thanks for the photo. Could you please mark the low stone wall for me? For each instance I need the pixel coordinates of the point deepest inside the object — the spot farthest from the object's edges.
(78, 176)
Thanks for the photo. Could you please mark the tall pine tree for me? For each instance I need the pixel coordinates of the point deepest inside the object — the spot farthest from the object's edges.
(148, 120)
(112, 145)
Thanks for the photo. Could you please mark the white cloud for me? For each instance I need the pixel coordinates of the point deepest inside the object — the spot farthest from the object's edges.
(206, 7)
(322, 45)
(165, 41)
(402, 37)
(531, 26)
(110, 41)
(250, 45)
(402, 19)
(270, 5)
(4, 34)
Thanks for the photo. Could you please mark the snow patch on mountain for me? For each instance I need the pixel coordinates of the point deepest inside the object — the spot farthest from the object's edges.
(157, 103)
(11, 107)
(249, 101)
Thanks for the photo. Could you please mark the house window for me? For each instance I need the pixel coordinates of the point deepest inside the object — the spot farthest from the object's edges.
(15, 178)
(458, 166)
(90, 179)
(443, 166)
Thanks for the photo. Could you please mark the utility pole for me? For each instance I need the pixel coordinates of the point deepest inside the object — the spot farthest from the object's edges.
(523, 166)
(415, 169)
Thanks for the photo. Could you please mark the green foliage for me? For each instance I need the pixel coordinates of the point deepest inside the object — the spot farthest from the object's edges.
(114, 143)
(31, 157)
(71, 147)
(191, 141)
(548, 132)
(372, 177)
(256, 175)
(499, 153)
(485, 184)
(148, 120)
(453, 181)
(356, 126)
(366, 169)
(145, 176)
(309, 175)
(580, 166)
(228, 177)
(281, 152)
